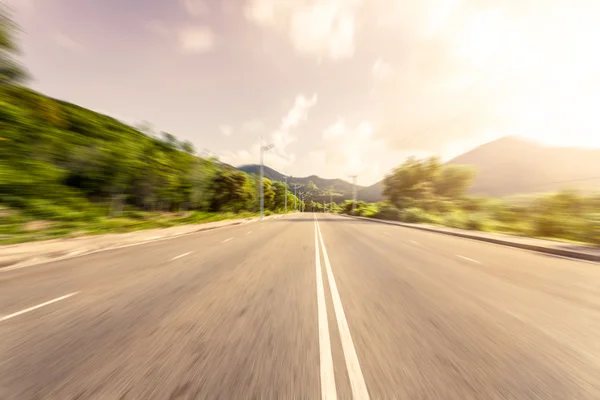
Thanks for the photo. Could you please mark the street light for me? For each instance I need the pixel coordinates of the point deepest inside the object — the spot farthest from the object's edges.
(262, 188)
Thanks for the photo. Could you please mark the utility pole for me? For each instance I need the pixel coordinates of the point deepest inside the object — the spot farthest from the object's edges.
(262, 173)
(285, 196)
(353, 192)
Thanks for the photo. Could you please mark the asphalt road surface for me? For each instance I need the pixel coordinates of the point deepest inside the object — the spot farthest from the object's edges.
(303, 307)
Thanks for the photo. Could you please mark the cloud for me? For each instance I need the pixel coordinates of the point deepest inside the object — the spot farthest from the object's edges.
(196, 8)
(381, 69)
(199, 39)
(279, 157)
(472, 71)
(284, 136)
(322, 28)
(226, 130)
(69, 43)
(346, 150)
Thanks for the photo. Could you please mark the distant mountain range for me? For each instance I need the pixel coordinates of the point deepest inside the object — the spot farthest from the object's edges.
(507, 166)
(343, 188)
(513, 165)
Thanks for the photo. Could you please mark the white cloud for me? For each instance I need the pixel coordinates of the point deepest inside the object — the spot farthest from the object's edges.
(299, 111)
(196, 8)
(381, 69)
(472, 71)
(279, 157)
(69, 43)
(284, 136)
(226, 130)
(198, 39)
(322, 28)
(346, 150)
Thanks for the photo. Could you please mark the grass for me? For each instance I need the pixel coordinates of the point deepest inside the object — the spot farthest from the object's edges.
(19, 227)
(583, 229)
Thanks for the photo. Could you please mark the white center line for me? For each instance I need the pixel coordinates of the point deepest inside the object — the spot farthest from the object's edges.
(468, 259)
(181, 255)
(413, 242)
(357, 381)
(249, 232)
(328, 391)
(227, 240)
(4, 318)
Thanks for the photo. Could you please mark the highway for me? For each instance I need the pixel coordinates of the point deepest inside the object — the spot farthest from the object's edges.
(307, 306)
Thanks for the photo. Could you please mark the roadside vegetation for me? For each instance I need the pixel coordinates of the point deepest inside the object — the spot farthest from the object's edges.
(427, 192)
(66, 170)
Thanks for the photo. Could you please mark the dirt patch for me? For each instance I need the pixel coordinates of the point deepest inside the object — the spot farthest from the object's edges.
(33, 226)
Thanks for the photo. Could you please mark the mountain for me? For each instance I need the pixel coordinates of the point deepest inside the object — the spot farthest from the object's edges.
(371, 194)
(507, 166)
(513, 165)
(340, 186)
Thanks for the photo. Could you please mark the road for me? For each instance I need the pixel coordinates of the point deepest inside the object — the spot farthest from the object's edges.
(303, 307)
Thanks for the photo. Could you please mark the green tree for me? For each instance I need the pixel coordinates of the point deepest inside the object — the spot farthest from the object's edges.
(230, 191)
(279, 198)
(11, 70)
(269, 194)
(419, 183)
(453, 181)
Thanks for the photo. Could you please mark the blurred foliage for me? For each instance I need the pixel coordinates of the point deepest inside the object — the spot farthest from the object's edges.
(425, 191)
(11, 71)
(78, 170)
(71, 157)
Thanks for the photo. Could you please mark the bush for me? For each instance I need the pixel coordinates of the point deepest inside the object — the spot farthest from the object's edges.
(548, 225)
(593, 230)
(415, 215)
(476, 222)
(455, 219)
(473, 204)
(367, 211)
(444, 206)
(389, 212)
(134, 214)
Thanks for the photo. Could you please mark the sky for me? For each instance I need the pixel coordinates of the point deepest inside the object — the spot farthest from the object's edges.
(340, 87)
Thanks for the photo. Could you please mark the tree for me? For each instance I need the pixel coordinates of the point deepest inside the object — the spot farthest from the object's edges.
(11, 71)
(188, 147)
(269, 194)
(424, 181)
(454, 181)
(230, 191)
(279, 189)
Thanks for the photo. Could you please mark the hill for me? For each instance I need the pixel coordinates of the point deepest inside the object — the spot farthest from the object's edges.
(371, 194)
(340, 186)
(62, 162)
(513, 165)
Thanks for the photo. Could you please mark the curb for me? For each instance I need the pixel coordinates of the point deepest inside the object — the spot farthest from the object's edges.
(524, 246)
(22, 262)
